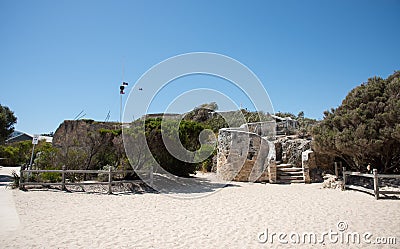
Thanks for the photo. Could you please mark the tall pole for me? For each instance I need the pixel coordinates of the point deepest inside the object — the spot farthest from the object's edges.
(35, 140)
(122, 82)
(30, 164)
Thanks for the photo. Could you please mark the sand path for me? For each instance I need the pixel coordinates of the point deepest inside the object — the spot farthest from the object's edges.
(233, 217)
(8, 214)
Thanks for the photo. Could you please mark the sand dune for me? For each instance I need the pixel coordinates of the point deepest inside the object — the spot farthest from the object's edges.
(230, 217)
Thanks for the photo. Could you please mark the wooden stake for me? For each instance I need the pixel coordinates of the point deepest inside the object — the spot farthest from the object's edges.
(376, 183)
(109, 180)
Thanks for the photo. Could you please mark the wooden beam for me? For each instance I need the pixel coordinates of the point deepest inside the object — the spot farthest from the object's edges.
(376, 183)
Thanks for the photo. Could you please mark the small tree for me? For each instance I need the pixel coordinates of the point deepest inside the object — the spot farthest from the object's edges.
(136, 146)
(158, 133)
(7, 121)
(154, 134)
(365, 128)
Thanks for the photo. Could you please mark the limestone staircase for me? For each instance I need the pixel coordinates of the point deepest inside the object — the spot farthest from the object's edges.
(287, 173)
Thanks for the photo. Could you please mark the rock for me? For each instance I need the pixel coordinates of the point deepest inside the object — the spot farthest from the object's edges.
(331, 181)
(71, 132)
(290, 149)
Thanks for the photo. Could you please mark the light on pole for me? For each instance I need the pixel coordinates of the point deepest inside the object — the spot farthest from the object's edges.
(121, 92)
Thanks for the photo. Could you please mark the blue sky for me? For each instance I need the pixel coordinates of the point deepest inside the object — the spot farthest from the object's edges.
(58, 58)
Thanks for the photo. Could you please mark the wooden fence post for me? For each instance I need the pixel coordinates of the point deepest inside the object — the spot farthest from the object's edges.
(344, 178)
(109, 180)
(63, 188)
(151, 176)
(21, 178)
(376, 183)
(336, 170)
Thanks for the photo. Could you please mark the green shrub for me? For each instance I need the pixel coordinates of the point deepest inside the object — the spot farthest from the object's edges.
(189, 132)
(16, 177)
(206, 149)
(116, 132)
(16, 153)
(50, 177)
(103, 177)
(365, 128)
(48, 157)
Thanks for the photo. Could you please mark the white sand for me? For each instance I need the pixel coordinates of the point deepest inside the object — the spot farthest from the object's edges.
(230, 218)
(9, 220)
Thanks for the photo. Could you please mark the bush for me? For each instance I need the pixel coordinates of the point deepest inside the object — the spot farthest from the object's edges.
(16, 154)
(189, 132)
(48, 157)
(16, 177)
(103, 177)
(116, 132)
(365, 128)
(50, 177)
(206, 149)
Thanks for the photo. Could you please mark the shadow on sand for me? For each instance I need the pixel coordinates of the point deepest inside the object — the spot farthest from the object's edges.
(5, 180)
(194, 186)
(370, 192)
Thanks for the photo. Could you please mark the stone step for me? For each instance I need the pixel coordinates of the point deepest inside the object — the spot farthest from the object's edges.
(288, 173)
(289, 181)
(284, 165)
(290, 178)
(291, 173)
(293, 169)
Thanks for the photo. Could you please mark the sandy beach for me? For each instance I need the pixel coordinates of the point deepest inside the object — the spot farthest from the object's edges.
(236, 216)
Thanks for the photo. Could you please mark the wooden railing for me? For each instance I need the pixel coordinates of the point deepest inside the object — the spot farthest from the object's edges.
(375, 176)
(25, 176)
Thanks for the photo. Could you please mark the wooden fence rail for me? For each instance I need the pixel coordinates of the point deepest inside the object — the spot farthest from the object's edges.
(63, 172)
(375, 176)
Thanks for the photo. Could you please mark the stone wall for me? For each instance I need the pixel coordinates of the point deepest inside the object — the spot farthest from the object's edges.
(289, 149)
(242, 156)
(264, 129)
(307, 162)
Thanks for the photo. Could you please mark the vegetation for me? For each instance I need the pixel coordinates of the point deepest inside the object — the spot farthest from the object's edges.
(305, 125)
(47, 156)
(100, 148)
(7, 121)
(16, 154)
(207, 164)
(91, 151)
(365, 128)
(50, 134)
(157, 131)
(207, 115)
(15, 177)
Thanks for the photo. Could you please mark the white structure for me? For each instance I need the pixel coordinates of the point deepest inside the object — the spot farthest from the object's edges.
(18, 136)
